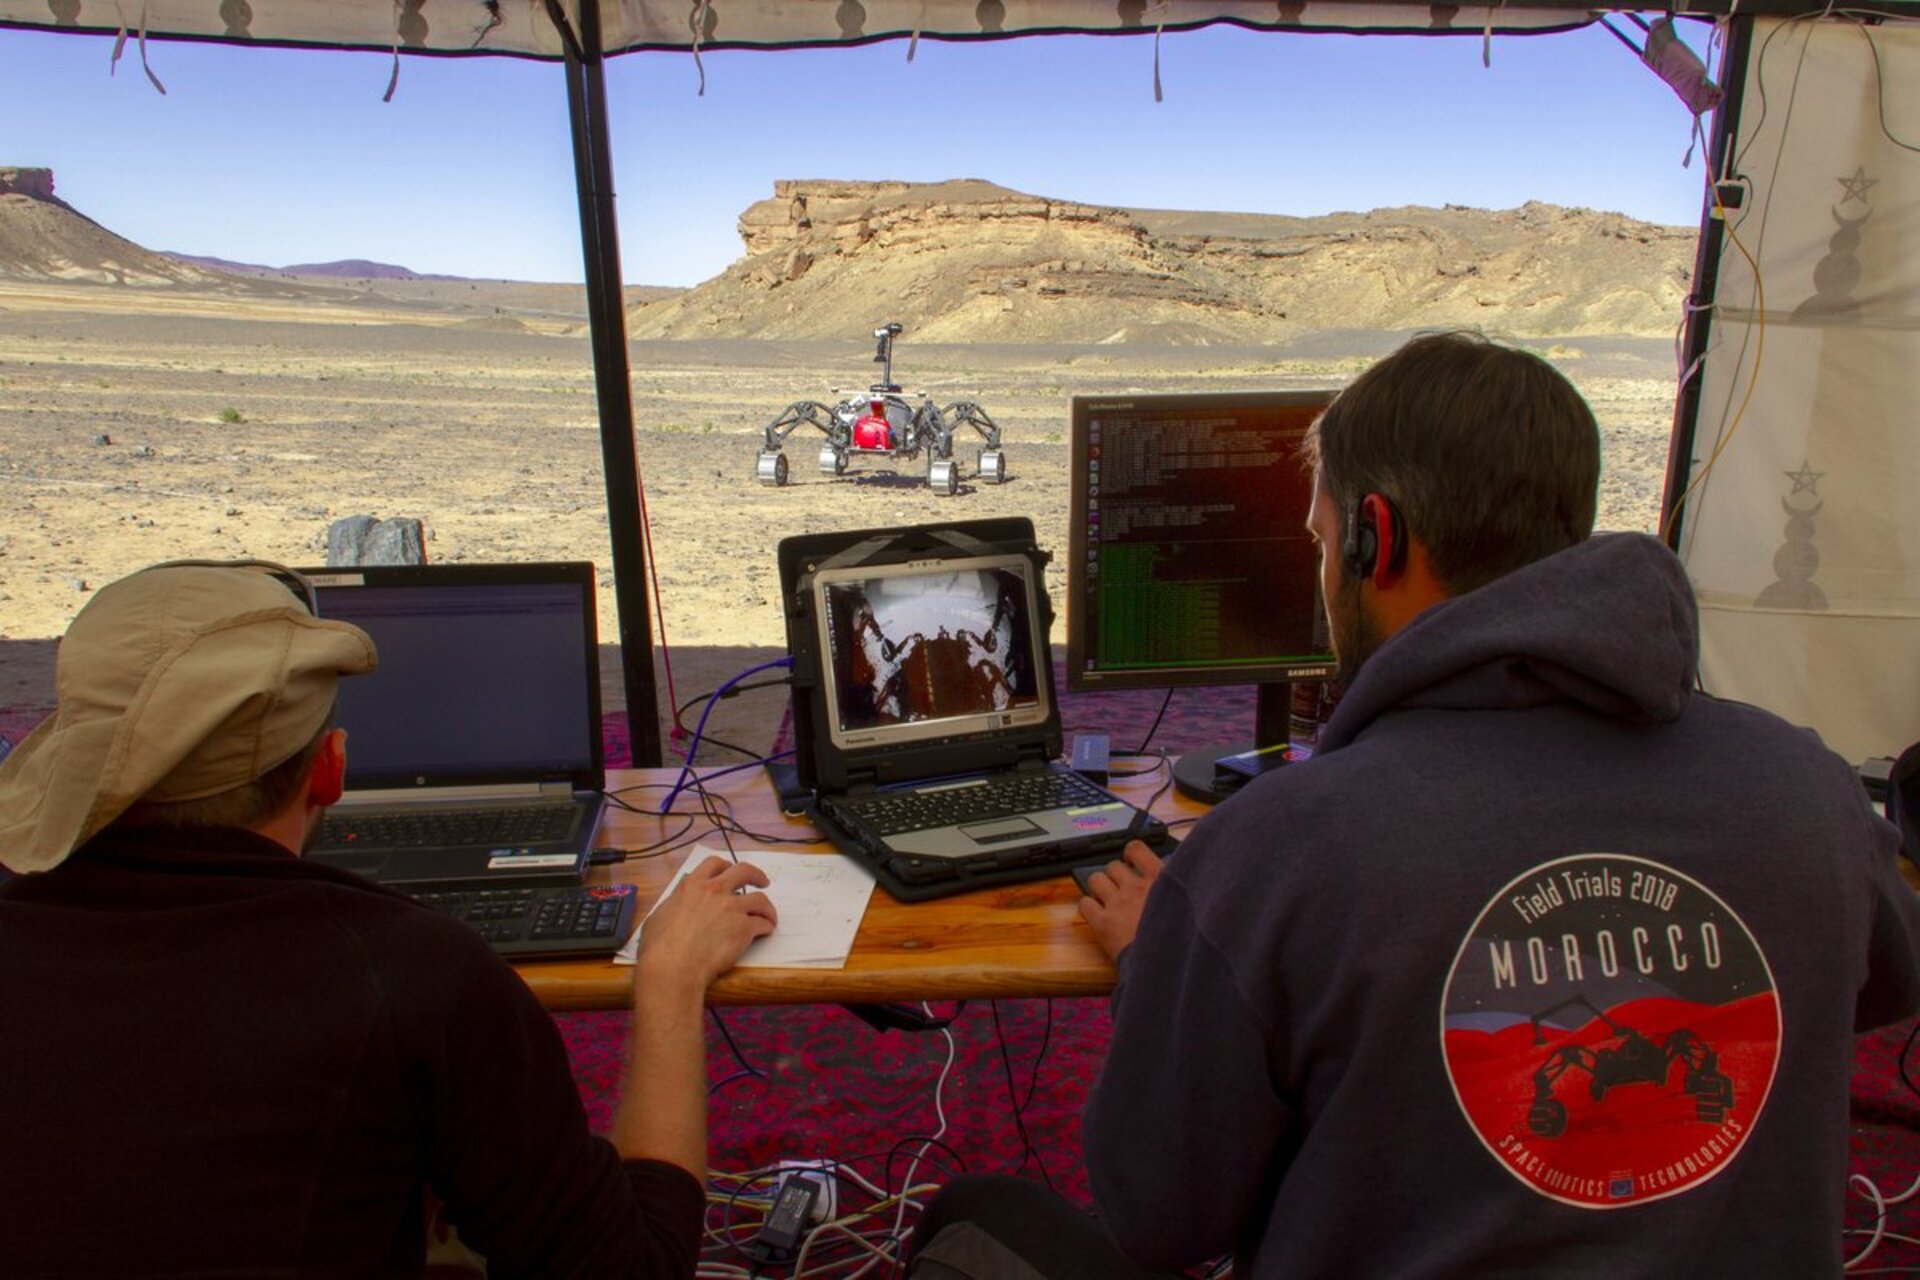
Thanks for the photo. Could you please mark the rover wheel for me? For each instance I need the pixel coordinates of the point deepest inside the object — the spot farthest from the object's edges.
(1548, 1118)
(832, 461)
(943, 476)
(772, 468)
(993, 466)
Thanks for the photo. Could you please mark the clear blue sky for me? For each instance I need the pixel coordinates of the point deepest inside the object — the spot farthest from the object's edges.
(282, 156)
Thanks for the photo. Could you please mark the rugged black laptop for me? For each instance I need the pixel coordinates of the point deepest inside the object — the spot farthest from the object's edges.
(474, 754)
(924, 711)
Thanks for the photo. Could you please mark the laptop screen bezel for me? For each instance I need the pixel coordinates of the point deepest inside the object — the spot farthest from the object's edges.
(578, 574)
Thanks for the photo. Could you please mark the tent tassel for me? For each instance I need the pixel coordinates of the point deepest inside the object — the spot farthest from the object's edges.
(1486, 35)
(1693, 140)
(393, 81)
(120, 47)
(152, 79)
(913, 45)
(698, 21)
(1159, 28)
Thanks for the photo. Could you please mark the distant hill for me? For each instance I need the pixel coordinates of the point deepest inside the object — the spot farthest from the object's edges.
(968, 261)
(42, 237)
(346, 269)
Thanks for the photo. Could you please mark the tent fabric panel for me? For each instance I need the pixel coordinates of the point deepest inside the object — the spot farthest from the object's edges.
(760, 24)
(1815, 671)
(412, 26)
(522, 27)
(1803, 539)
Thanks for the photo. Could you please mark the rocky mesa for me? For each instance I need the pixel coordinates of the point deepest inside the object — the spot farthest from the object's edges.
(969, 261)
(43, 238)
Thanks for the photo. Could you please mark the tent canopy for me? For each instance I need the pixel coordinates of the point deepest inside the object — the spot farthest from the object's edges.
(525, 28)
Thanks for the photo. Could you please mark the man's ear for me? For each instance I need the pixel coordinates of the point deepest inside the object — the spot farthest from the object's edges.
(328, 777)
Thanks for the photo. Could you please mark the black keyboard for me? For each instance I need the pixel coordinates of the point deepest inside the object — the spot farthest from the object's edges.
(552, 921)
(892, 812)
(452, 828)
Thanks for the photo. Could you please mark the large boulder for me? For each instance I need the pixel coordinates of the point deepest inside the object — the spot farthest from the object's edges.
(357, 540)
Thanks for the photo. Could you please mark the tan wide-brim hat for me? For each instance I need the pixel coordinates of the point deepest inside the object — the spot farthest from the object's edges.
(177, 683)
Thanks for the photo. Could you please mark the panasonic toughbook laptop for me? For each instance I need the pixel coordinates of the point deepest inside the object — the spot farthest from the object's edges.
(924, 712)
(474, 755)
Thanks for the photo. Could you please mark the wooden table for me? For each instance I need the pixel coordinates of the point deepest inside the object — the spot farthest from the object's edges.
(1017, 940)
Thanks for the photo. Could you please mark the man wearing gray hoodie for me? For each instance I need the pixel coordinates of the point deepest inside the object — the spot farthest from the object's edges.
(1547, 962)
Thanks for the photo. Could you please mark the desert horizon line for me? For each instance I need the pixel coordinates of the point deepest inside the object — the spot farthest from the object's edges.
(38, 182)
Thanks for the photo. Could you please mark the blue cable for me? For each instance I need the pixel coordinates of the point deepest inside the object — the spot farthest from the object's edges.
(686, 768)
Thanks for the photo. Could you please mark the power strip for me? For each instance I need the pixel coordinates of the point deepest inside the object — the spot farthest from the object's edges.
(826, 1203)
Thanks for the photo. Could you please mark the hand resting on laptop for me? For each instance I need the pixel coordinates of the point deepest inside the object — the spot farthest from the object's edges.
(1116, 894)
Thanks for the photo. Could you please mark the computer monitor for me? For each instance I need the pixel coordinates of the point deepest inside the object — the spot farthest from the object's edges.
(1189, 561)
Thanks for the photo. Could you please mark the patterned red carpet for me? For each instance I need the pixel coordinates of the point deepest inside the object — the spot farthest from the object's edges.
(818, 1083)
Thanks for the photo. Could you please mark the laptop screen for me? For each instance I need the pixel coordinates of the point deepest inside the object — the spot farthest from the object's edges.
(929, 649)
(488, 674)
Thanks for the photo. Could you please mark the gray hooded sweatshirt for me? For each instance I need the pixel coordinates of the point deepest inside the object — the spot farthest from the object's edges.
(1545, 964)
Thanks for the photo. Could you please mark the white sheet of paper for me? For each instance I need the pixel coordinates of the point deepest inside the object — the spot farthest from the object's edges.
(820, 898)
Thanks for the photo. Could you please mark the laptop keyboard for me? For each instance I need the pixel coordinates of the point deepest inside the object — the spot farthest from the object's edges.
(577, 921)
(892, 812)
(435, 828)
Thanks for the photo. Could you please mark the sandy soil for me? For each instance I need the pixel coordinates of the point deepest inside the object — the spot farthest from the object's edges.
(139, 425)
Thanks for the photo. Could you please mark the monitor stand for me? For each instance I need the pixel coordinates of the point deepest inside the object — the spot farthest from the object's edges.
(1194, 773)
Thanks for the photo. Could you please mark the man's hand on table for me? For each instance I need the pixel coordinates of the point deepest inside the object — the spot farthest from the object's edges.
(699, 930)
(1116, 895)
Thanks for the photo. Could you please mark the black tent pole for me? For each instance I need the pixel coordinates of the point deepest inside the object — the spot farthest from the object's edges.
(1706, 280)
(606, 319)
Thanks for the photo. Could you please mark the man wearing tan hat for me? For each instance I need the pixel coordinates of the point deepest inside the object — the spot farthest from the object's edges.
(221, 1058)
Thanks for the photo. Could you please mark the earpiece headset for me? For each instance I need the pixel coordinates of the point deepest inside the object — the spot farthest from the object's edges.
(1374, 535)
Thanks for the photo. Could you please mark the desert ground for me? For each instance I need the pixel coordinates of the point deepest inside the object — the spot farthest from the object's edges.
(141, 425)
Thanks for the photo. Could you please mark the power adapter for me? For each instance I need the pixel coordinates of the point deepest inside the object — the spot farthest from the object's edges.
(815, 1173)
(787, 1221)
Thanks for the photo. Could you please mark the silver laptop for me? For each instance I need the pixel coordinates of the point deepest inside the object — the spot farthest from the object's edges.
(474, 752)
(923, 662)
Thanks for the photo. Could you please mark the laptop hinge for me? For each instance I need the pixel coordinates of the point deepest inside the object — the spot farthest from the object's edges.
(556, 791)
(515, 793)
(1033, 757)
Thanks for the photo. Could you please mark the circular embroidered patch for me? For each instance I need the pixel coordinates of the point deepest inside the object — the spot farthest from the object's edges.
(1611, 1030)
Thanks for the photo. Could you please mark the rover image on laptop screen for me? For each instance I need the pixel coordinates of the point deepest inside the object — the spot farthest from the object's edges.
(929, 649)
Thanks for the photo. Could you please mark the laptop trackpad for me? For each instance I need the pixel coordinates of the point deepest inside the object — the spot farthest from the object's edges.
(1002, 830)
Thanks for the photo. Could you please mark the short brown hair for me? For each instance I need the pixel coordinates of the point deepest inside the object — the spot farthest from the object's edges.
(1491, 455)
(243, 806)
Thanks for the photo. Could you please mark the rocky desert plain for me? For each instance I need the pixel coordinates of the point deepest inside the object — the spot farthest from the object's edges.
(154, 407)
